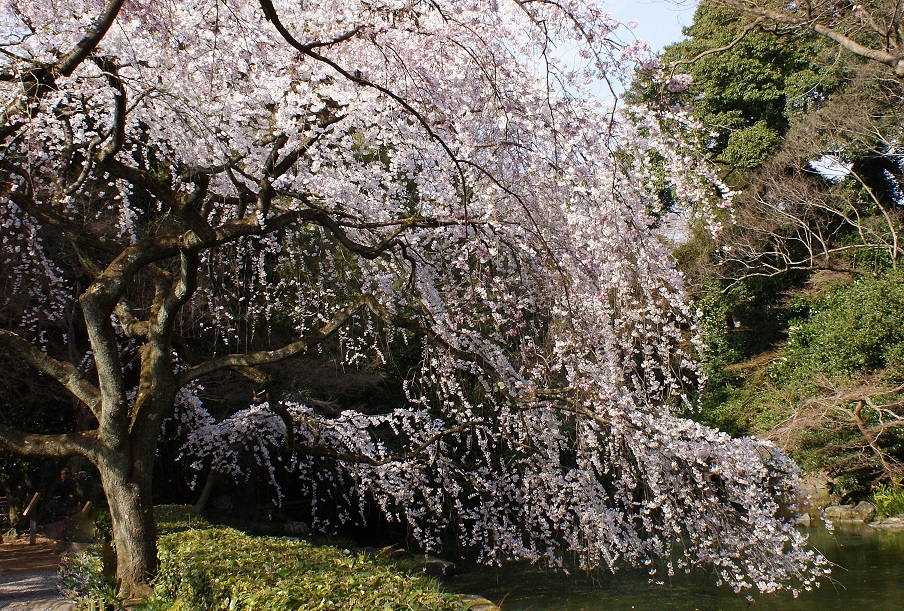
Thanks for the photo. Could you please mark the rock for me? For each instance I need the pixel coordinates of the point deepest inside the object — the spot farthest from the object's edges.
(435, 567)
(815, 493)
(292, 527)
(861, 513)
(803, 519)
(864, 512)
(838, 513)
(893, 524)
(477, 603)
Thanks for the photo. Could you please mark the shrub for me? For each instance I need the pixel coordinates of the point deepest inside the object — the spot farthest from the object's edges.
(888, 499)
(844, 344)
(177, 518)
(222, 568)
(82, 577)
(851, 330)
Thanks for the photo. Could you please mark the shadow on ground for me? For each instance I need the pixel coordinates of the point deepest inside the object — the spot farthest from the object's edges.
(28, 576)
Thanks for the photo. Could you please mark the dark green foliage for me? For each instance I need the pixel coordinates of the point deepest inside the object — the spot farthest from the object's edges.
(851, 330)
(739, 324)
(749, 147)
(748, 94)
(786, 358)
(844, 343)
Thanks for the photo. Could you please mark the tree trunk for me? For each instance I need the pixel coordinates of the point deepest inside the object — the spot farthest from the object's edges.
(201, 504)
(127, 483)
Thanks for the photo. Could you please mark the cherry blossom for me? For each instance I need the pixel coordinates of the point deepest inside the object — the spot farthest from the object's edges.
(186, 178)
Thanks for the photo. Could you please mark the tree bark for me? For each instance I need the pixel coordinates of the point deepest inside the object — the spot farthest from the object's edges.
(206, 491)
(127, 481)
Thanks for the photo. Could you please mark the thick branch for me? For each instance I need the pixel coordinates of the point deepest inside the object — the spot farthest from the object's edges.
(118, 130)
(69, 62)
(40, 79)
(264, 357)
(65, 373)
(51, 446)
(108, 287)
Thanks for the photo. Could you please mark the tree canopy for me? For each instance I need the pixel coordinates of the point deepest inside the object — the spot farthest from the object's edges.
(805, 122)
(222, 186)
(796, 290)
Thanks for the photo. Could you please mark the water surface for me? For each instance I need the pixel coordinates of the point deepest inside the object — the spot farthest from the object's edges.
(869, 574)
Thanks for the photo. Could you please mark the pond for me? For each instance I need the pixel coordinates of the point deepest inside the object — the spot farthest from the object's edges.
(869, 573)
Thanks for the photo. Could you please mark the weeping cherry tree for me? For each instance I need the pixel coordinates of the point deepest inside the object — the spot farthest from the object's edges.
(177, 175)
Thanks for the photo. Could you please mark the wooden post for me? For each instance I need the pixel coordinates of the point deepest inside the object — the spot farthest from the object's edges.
(33, 522)
(31, 504)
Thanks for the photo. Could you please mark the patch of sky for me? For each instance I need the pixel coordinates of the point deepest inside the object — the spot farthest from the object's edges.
(658, 22)
(831, 167)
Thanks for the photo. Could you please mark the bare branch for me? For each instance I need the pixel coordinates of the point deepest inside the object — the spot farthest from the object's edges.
(756, 23)
(892, 60)
(859, 414)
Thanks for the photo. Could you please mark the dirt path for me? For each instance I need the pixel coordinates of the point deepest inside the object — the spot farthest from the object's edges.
(28, 576)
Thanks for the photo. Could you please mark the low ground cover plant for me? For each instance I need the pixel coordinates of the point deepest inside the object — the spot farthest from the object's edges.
(222, 568)
(204, 566)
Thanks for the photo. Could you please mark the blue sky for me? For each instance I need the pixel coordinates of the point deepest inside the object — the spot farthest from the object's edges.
(659, 22)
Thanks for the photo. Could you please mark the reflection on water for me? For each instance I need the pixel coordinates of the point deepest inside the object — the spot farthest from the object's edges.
(869, 575)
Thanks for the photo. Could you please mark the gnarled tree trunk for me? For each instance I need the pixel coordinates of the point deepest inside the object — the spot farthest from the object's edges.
(127, 478)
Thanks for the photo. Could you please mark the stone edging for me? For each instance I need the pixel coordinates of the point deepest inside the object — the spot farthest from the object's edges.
(477, 603)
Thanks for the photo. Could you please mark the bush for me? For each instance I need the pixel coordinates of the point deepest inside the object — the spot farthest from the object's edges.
(82, 577)
(851, 330)
(222, 568)
(841, 344)
(888, 499)
(177, 518)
